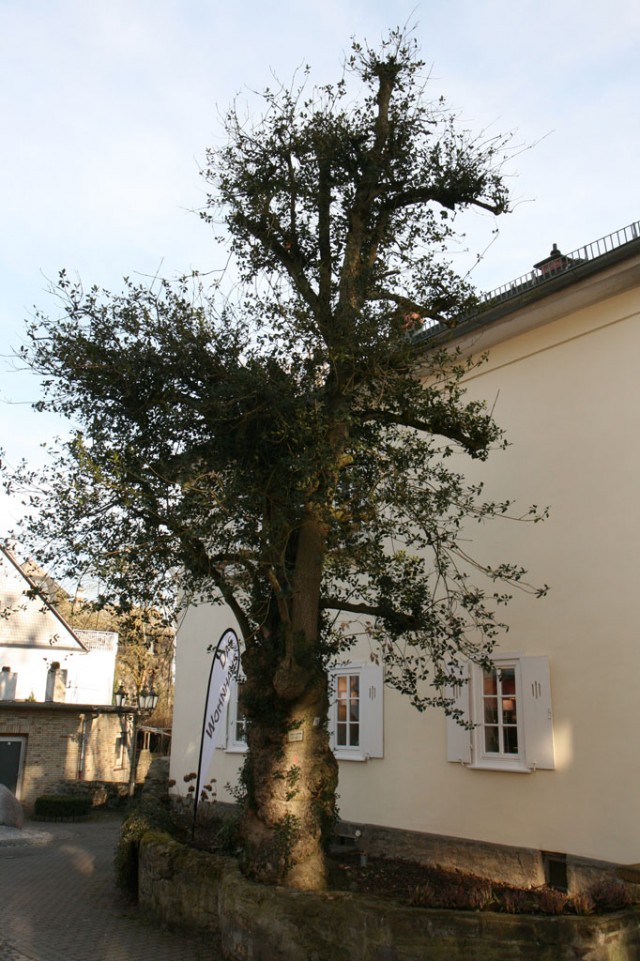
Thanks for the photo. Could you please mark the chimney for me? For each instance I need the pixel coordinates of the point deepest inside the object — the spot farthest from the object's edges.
(553, 264)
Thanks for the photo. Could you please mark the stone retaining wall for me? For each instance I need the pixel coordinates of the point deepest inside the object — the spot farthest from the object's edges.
(518, 866)
(187, 888)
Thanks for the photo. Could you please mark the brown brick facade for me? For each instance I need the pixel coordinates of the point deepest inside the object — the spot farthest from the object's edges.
(70, 743)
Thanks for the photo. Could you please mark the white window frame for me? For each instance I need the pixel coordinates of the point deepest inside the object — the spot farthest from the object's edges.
(497, 760)
(120, 748)
(225, 735)
(371, 718)
(235, 744)
(370, 711)
(465, 740)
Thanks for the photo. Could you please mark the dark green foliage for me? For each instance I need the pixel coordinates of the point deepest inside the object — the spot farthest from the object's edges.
(215, 432)
(147, 814)
(226, 835)
(61, 806)
(287, 445)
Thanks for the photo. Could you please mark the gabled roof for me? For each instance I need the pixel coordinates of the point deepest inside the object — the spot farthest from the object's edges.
(27, 618)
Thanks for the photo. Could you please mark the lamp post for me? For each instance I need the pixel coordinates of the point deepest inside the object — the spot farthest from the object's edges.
(144, 705)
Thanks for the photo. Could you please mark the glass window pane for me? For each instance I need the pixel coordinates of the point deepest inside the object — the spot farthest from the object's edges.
(342, 711)
(509, 712)
(491, 741)
(341, 686)
(341, 735)
(354, 735)
(511, 740)
(491, 710)
(489, 682)
(354, 711)
(354, 685)
(508, 679)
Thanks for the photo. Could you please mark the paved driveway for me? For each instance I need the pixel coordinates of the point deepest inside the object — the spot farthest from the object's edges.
(58, 900)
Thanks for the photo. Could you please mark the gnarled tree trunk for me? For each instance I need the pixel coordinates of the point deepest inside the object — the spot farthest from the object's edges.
(291, 774)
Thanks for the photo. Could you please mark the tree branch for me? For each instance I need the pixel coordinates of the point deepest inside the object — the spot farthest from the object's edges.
(440, 422)
(448, 197)
(289, 260)
(399, 618)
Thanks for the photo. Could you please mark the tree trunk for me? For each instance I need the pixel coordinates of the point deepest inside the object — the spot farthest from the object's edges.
(290, 779)
(291, 774)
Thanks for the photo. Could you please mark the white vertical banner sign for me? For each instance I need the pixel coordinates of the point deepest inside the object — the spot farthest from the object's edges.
(226, 662)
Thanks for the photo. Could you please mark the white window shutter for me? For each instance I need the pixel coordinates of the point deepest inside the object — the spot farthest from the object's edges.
(537, 714)
(372, 710)
(459, 737)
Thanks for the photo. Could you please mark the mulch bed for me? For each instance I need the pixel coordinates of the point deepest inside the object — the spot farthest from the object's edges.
(390, 878)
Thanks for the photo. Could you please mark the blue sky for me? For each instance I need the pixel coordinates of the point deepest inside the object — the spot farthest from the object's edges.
(107, 108)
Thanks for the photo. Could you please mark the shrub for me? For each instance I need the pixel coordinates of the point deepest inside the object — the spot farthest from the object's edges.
(453, 889)
(551, 901)
(62, 806)
(513, 900)
(583, 903)
(146, 814)
(609, 894)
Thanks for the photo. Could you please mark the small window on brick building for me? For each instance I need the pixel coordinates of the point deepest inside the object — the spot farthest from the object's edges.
(121, 743)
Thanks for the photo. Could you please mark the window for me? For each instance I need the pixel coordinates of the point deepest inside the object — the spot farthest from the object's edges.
(355, 712)
(120, 745)
(499, 709)
(8, 684)
(509, 710)
(231, 732)
(236, 724)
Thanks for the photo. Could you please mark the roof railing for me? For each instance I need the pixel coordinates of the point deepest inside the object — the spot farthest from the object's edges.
(558, 263)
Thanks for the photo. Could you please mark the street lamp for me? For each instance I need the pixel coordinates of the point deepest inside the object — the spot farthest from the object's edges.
(144, 705)
(147, 700)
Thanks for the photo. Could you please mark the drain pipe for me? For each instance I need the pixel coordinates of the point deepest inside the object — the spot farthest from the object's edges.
(84, 737)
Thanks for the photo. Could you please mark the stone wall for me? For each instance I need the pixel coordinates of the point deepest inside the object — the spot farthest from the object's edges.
(518, 866)
(109, 794)
(186, 888)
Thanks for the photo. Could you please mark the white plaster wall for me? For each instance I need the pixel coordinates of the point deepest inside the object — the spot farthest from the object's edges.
(89, 675)
(32, 637)
(200, 628)
(567, 395)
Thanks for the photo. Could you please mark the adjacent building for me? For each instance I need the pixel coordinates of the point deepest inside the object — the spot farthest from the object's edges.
(57, 722)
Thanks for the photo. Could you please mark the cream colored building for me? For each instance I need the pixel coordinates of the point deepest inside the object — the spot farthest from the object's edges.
(554, 761)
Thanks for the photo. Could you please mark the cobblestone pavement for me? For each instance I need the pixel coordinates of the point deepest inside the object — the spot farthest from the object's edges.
(58, 901)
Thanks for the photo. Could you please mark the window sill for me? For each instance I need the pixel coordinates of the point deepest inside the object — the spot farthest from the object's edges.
(236, 749)
(508, 766)
(348, 756)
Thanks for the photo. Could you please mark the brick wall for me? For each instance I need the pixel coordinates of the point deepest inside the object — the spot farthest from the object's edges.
(66, 743)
